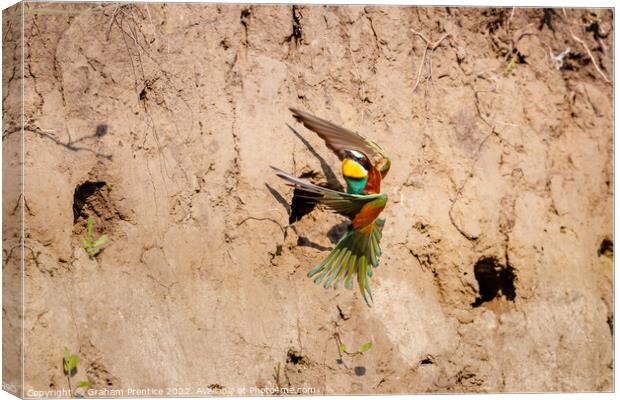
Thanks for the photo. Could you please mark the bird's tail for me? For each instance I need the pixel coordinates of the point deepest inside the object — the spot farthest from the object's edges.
(357, 252)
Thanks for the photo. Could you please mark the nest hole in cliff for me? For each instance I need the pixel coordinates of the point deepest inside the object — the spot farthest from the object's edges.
(295, 357)
(606, 248)
(301, 205)
(494, 280)
(428, 360)
(303, 201)
(92, 199)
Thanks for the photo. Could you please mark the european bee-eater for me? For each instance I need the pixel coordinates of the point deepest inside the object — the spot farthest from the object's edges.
(364, 165)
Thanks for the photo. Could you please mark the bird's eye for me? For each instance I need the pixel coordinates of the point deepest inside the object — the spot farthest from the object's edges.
(360, 158)
(364, 163)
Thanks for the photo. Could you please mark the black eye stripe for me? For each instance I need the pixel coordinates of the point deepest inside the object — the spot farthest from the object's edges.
(363, 161)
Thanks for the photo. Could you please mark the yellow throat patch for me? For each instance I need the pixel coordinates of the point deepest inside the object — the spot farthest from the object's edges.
(352, 169)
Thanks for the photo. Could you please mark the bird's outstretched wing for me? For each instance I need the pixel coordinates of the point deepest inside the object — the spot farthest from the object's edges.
(339, 140)
(357, 207)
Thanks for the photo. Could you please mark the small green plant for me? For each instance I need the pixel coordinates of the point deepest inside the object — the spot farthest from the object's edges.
(342, 348)
(280, 377)
(83, 384)
(70, 363)
(512, 64)
(92, 246)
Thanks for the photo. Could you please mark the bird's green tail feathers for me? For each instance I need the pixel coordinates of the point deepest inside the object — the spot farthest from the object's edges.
(356, 252)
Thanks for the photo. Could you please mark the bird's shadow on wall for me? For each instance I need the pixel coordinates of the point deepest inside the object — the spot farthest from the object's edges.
(332, 180)
(299, 207)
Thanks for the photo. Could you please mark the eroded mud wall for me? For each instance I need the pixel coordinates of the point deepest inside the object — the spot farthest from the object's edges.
(161, 121)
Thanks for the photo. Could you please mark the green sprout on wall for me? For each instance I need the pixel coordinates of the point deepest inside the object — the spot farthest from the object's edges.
(92, 246)
(70, 363)
(279, 375)
(510, 67)
(342, 348)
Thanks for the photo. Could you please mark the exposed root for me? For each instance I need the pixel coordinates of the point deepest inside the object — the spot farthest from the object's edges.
(456, 226)
(459, 191)
(558, 61)
(591, 56)
(516, 37)
(430, 46)
(282, 228)
(585, 46)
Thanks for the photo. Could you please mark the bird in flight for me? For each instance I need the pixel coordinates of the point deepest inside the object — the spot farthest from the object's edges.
(364, 165)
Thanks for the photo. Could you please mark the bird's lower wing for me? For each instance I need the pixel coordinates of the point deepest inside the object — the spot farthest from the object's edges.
(355, 254)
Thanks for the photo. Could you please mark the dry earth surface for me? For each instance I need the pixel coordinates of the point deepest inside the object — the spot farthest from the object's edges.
(161, 122)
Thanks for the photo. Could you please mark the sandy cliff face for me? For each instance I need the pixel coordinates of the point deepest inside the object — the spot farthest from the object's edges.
(161, 121)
